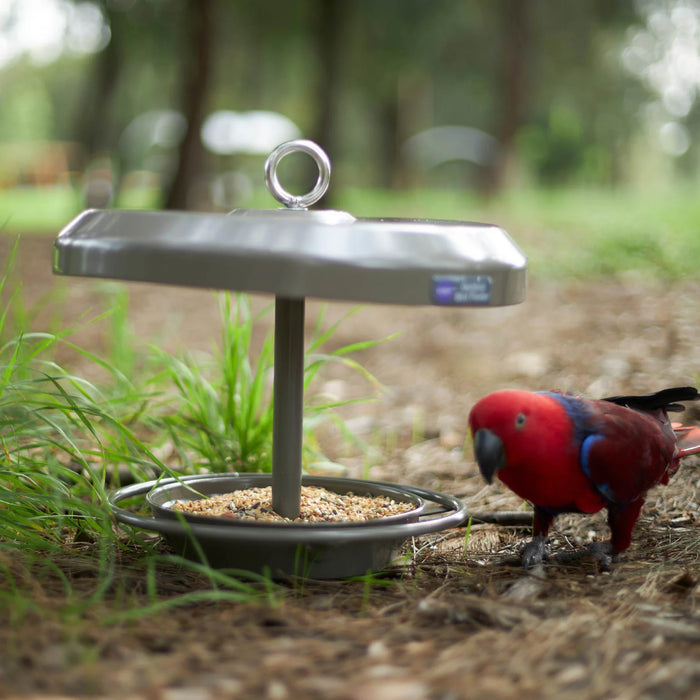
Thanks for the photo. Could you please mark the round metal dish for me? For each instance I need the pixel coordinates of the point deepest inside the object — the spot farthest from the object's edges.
(161, 498)
(321, 551)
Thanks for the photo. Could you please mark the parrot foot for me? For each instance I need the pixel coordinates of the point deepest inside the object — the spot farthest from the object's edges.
(602, 552)
(599, 551)
(534, 552)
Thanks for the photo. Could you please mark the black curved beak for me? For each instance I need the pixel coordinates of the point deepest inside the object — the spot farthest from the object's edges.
(490, 453)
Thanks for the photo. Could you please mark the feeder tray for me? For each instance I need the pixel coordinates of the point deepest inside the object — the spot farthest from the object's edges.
(295, 253)
(163, 498)
(311, 550)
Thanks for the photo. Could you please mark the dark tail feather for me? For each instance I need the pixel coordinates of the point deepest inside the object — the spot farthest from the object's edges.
(666, 398)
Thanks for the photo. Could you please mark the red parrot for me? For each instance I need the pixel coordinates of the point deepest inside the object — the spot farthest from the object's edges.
(567, 454)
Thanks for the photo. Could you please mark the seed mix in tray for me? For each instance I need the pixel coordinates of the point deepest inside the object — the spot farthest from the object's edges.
(318, 505)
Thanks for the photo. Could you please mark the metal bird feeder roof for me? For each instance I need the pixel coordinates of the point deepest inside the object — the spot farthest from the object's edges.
(295, 253)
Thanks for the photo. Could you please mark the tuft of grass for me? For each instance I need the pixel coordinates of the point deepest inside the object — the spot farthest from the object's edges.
(121, 342)
(59, 444)
(225, 586)
(467, 534)
(317, 409)
(64, 443)
(219, 413)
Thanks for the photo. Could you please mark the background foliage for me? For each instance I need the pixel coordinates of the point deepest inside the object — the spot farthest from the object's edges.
(598, 94)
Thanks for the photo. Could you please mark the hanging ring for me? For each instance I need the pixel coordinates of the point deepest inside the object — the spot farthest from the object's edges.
(322, 161)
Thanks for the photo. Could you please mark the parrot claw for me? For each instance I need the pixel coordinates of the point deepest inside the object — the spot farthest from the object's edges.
(602, 551)
(599, 551)
(534, 552)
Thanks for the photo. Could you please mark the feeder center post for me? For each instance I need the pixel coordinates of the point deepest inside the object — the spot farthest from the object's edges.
(288, 405)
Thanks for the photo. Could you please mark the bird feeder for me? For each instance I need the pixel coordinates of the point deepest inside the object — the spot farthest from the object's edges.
(295, 253)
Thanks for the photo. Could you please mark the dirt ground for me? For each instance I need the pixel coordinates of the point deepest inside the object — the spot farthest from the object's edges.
(461, 620)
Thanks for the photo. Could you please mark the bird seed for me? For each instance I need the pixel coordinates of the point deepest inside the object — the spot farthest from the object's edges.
(318, 505)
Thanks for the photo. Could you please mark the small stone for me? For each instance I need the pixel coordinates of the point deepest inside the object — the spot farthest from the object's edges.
(377, 650)
(451, 440)
(572, 674)
(335, 390)
(391, 689)
(276, 690)
(186, 693)
(528, 364)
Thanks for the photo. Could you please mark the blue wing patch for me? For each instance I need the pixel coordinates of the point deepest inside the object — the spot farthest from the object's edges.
(586, 435)
(585, 453)
(605, 490)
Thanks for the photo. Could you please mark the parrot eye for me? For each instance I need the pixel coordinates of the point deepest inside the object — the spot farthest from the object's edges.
(520, 421)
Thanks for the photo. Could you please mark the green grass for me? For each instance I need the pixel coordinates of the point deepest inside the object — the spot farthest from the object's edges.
(222, 418)
(216, 408)
(66, 442)
(566, 233)
(585, 234)
(37, 208)
(570, 233)
(49, 209)
(60, 439)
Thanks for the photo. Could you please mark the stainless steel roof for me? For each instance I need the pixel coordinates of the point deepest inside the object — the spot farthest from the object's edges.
(299, 253)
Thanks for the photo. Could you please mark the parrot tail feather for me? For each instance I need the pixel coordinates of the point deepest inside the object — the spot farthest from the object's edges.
(668, 399)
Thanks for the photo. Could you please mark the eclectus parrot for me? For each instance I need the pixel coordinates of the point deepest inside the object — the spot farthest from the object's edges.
(567, 454)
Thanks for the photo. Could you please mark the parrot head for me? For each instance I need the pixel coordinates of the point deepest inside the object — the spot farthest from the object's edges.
(511, 427)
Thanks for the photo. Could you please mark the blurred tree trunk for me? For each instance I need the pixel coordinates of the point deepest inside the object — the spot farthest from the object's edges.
(514, 17)
(328, 40)
(197, 69)
(389, 151)
(94, 127)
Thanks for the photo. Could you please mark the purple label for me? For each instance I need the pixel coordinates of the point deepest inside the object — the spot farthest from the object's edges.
(461, 290)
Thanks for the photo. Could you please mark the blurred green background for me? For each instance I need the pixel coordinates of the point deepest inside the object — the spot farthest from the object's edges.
(574, 125)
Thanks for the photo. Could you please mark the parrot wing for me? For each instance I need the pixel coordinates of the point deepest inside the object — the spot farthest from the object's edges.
(627, 454)
(687, 437)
